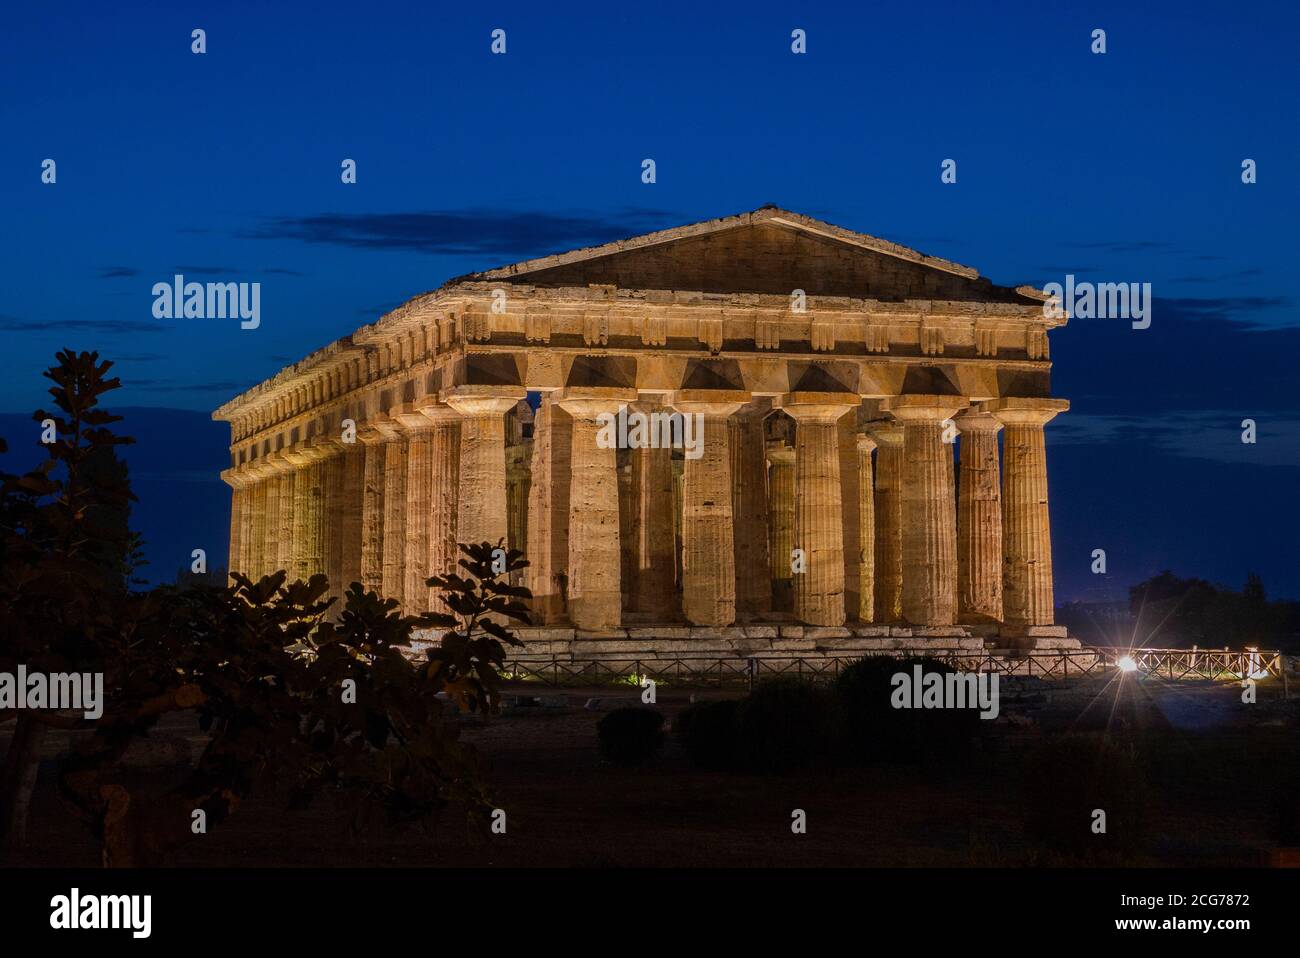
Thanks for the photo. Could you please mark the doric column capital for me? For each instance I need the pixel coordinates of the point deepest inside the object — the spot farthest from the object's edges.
(588, 402)
(483, 400)
(924, 407)
(976, 419)
(865, 442)
(886, 432)
(708, 402)
(436, 411)
(277, 462)
(1026, 411)
(297, 455)
(235, 478)
(819, 406)
(323, 447)
(411, 419)
(378, 429)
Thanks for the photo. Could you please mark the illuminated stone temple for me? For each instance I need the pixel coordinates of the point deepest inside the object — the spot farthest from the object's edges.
(847, 486)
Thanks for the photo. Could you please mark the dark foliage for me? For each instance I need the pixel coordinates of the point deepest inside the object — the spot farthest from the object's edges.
(709, 732)
(785, 725)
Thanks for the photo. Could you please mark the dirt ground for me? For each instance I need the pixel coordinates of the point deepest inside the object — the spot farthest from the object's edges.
(566, 807)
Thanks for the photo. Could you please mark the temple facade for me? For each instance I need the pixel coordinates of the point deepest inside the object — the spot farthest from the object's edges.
(866, 453)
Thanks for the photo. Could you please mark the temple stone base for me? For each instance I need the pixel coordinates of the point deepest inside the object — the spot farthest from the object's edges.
(755, 640)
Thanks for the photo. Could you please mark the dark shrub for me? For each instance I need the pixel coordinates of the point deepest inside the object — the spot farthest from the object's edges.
(1066, 777)
(630, 736)
(876, 731)
(708, 732)
(785, 724)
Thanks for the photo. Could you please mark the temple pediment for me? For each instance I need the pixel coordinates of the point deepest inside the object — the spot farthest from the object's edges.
(767, 251)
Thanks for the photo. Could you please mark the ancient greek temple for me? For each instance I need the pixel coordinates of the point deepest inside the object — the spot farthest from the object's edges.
(871, 459)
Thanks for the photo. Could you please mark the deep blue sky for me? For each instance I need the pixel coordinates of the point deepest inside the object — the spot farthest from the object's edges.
(1122, 167)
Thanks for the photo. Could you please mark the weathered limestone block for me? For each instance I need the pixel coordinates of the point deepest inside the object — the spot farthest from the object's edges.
(819, 508)
(929, 509)
(1026, 530)
(749, 508)
(979, 520)
(889, 520)
(708, 546)
(418, 530)
(595, 553)
(780, 486)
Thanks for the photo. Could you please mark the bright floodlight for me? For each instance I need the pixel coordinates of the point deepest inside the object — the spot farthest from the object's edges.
(1126, 664)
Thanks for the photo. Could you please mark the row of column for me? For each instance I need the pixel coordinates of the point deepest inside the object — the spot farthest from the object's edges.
(826, 530)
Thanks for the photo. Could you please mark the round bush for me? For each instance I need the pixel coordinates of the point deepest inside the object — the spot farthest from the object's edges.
(785, 724)
(1066, 778)
(630, 736)
(708, 732)
(875, 730)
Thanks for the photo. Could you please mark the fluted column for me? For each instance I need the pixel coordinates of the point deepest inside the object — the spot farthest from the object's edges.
(417, 525)
(394, 549)
(271, 522)
(708, 543)
(888, 435)
(654, 580)
(929, 509)
(818, 505)
(780, 486)
(308, 511)
(444, 478)
(851, 520)
(866, 530)
(595, 550)
(749, 506)
(352, 497)
(548, 507)
(255, 548)
(285, 526)
(979, 520)
(372, 507)
(481, 514)
(1027, 598)
(238, 498)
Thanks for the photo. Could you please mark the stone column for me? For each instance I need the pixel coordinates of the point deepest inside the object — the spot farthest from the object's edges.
(1027, 599)
(393, 565)
(352, 498)
(418, 524)
(284, 539)
(780, 486)
(270, 554)
(308, 511)
(889, 520)
(481, 513)
(237, 503)
(372, 507)
(866, 530)
(548, 506)
(654, 582)
(929, 509)
(330, 463)
(851, 504)
(255, 507)
(749, 506)
(595, 559)
(818, 505)
(444, 493)
(708, 543)
(979, 520)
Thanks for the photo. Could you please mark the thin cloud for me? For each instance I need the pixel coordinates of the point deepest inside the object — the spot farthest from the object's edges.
(109, 327)
(118, 272)
(483, 232)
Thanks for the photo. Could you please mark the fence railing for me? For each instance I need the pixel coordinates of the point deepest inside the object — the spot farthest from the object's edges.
(714, 670)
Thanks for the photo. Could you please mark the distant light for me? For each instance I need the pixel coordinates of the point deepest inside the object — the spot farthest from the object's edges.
(1126, 664)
